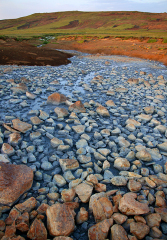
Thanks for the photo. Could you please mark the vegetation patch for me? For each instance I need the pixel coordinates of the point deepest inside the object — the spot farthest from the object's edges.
(152, 41)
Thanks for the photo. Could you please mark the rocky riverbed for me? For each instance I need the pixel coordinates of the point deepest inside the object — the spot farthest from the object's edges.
(84, 140)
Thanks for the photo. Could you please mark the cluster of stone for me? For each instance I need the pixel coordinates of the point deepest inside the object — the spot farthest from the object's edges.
(120, 214)
(91, 167)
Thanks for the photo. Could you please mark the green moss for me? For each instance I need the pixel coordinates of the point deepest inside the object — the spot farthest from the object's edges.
(152, 41)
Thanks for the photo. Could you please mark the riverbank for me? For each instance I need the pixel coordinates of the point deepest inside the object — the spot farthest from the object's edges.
(156, 51)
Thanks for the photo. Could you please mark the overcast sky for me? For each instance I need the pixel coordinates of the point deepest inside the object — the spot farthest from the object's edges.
(18, 8)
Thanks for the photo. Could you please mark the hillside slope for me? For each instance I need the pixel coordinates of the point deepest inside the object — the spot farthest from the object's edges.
(137, 24)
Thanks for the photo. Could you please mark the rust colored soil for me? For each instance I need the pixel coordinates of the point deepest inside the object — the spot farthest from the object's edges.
(21, 53)
(116, 46)
(25, 53)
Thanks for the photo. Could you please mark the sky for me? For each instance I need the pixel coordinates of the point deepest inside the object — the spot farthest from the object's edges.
(10, 9)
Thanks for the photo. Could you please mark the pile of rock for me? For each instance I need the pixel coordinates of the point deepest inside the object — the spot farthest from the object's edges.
(95, 167)
(126, 217)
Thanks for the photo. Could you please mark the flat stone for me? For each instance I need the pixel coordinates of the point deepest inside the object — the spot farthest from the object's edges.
(119, 218)
(82, 216)
(98, 156)
(110, 103)
(104, 151)
(153, 220)
(122, 164)
(119, 181)
(14, 181)
(133, 81)
(140, 230)
(134, 186)
(156, 156)
(60, 220)
(43, 115)
(68, 195)
(84, 159)
(56, 99)
(102, 209)
(163, 146)
(84, 192)
(35, 135)
(7, 149)
(36, 121)
(82, 143)
(144, 155)
(121, 90)
(134, 122)
(161, 128)
(77, 107)
(4, 158)
(55, 142)
(123, 142)
(61, 112)
(149, 110)
(21, 126)
(118, 232)
(102, 111)
(68, 164)
(31, 95)
(100, 230)
(144, 117)
(59, 180)
(79, 129)
(14, 139)
(37, 230)
(129, 206)
(162, 212)
(20, 88)
(26, 206)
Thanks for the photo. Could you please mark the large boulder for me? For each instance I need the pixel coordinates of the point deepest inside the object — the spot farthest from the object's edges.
(60, 220)
(14, 181)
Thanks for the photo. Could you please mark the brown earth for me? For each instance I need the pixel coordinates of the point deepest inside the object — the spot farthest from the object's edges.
(22, 53)
(25, 53)
(116, 46)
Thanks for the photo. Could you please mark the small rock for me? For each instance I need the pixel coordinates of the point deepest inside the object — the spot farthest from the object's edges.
(100, 230)
(129, 206)
(82, 216)
(56, 99)
(102, 209)
(118, 232)
(21, 126)
(37, 230)
(140, 230)
(102, 111)
(84, 192)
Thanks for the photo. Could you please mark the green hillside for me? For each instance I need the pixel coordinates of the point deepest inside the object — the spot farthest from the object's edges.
(127, 24)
